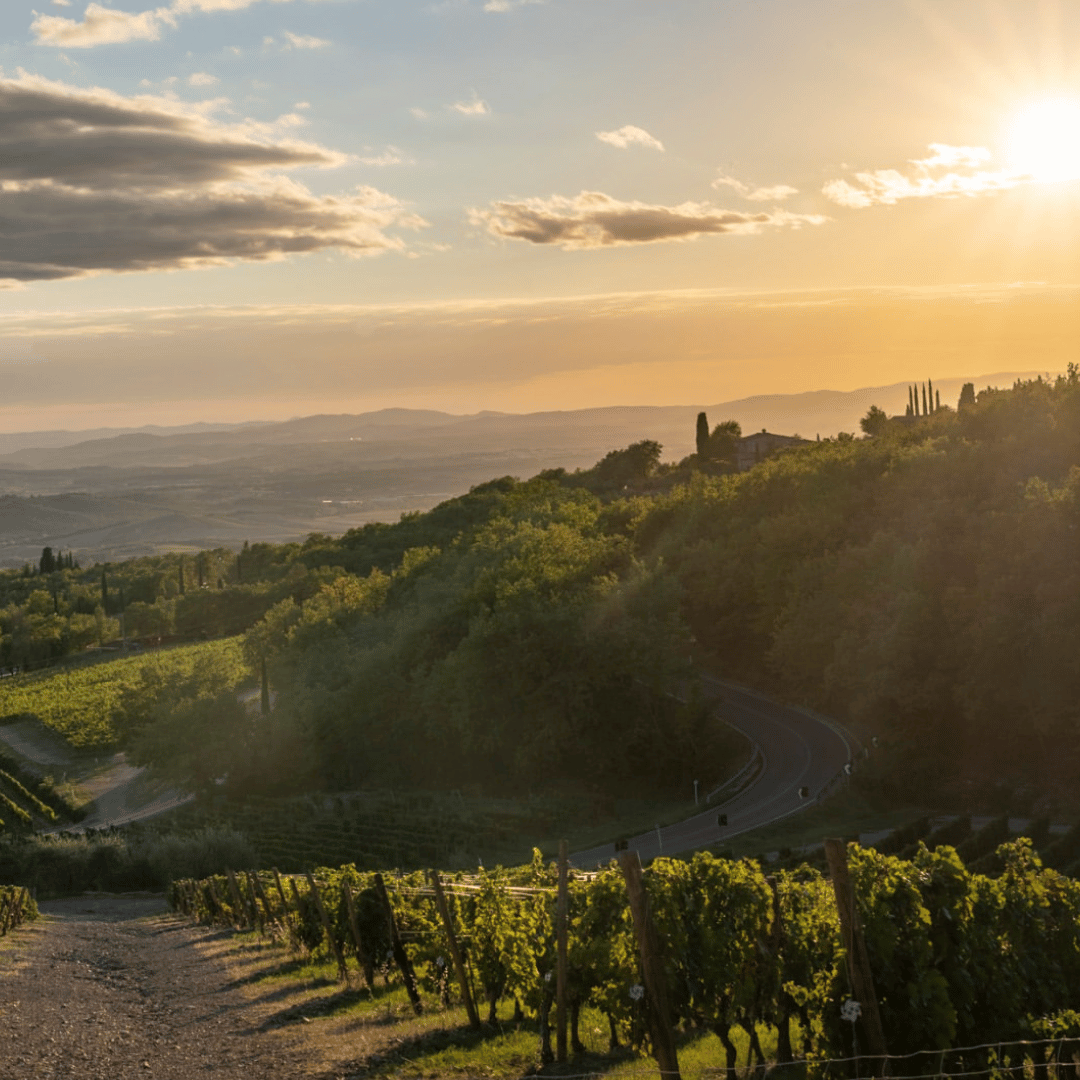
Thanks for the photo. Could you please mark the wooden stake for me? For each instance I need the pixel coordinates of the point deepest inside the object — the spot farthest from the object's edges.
(258, 905)
(858, 960)
(561, 915)
(652, 968)
(325, 919)
(238, 901)
(455, 952)
(281, 893)
(400, 955)
(363, 958)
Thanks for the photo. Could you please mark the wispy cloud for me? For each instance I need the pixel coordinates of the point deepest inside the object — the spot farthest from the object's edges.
(392, 155)
(508, 5)
(595, 220)
(93, 181)
(475, 107)
(202, 78)
(925, 179)
(775, 193)
(630, 136)
(300, 41)
(101, 25)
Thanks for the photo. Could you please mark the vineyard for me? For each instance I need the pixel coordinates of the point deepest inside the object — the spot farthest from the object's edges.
(958, 959)
(16, 907)
(82, 703)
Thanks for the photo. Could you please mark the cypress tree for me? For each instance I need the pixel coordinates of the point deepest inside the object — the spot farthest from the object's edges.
(702, 434)
(180, 574)
(104, 593)
(910, 403)
(930, 387)
(199, 565)
(924, 409)
(937, 400)
(264, 696)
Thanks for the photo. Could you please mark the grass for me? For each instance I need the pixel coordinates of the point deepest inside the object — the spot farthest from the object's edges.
(386, 1040)
(845, 814)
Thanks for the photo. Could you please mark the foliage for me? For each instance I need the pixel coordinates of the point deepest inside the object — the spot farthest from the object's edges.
(958, 959)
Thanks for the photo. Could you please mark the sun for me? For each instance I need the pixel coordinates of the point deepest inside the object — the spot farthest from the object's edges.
(1043, 140)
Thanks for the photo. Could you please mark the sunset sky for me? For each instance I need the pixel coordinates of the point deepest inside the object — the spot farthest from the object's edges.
(253, 209)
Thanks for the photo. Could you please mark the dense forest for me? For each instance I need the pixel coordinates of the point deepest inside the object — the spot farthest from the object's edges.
(921, 583)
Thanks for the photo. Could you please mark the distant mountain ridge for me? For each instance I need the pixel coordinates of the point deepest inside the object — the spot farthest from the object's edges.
(817, 412)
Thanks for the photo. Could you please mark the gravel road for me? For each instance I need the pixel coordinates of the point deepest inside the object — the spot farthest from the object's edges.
(116, 988)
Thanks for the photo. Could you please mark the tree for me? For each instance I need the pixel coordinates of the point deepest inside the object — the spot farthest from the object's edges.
(47, 564)
(104, 592)
(930, 391)
(967, 397)
(180, 575)
(925, 411)
(875, 421)
(702, 434)
(724, 442)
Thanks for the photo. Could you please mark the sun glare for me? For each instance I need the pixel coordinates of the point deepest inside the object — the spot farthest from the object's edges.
(1043, 140)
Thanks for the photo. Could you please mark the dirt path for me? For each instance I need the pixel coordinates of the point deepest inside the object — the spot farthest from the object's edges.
(121, 793)
(114, 988)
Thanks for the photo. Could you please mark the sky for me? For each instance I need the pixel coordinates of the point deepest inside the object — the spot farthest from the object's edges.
(255, 209)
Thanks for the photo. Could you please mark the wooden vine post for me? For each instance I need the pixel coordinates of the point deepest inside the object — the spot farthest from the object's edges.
(455, 951)
(257, 913)
(238, 901)
(858, 960)
(363, 957)
(657, 1009)
(561, 917)
(325, 920)
(400, 955)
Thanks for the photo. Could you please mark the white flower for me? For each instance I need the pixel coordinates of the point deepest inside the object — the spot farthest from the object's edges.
(637, 992)
(850, 1011)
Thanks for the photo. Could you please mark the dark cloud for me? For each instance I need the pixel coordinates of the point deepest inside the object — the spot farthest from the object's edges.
(92, 181)
(593, 220)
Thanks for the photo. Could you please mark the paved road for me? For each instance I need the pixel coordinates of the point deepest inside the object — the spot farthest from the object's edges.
(797, 751)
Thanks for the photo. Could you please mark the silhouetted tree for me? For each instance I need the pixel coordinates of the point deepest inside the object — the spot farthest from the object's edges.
(967, 396)
(702, 434)
(925, 411)
(724, 442)
(875, 421)
(930, 391)
(47, 563)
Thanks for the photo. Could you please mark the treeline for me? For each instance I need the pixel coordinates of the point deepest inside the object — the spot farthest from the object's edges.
(60, 609)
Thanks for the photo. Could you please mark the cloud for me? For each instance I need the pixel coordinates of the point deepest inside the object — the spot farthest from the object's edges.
(595, 220)
(625, 136)
(202, 78)
(476, 107)
(776, 193)
(300, 41)
(418, 113)
(107, 26)
(925, 180)
(508, 5)
(392, 155)
(92, 181)
(100, 26)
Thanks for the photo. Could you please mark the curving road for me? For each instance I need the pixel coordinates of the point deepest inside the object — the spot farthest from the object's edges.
(799, 754)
